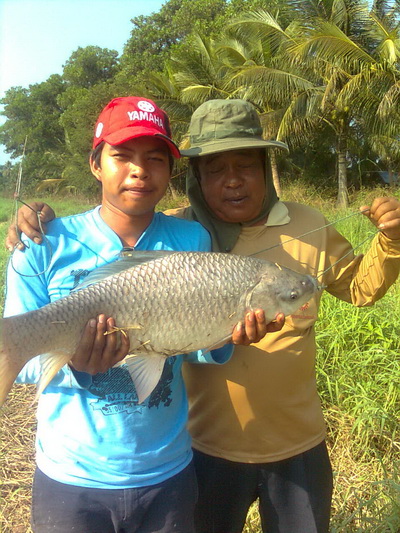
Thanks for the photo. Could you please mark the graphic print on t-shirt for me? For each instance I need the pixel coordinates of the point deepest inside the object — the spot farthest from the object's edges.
(116, 391)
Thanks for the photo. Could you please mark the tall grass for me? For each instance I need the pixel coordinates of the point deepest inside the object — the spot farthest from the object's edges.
(358, 375)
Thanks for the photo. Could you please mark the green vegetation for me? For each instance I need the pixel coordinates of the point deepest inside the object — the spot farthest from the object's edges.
(358, 372)
(323, 75)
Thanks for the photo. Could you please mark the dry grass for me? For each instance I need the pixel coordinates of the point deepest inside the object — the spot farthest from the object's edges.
(18, 428)
(362, 500)
(359, 498)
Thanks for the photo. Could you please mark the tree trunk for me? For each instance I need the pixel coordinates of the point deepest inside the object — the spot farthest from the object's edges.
(172, 190)
(390, 172)
(342, 198)
(275, 173)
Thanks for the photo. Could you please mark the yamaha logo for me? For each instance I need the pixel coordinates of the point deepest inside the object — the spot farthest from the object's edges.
(146, 106)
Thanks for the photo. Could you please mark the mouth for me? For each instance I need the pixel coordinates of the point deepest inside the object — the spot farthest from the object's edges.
(138, 191)
(236, 200)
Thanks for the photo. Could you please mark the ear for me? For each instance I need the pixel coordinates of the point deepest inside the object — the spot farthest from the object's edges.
(95, 168)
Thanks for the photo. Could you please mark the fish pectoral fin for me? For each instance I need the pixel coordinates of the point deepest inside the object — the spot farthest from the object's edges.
(145, 371)
(51, 363)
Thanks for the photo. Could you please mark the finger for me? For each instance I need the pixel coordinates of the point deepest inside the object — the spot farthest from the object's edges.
(110, 343)
(260, 319)
(391, 228)
(80, 359)
(98, 356)
(255, 325)
(381, 206)
(277, 324)
(28, 219)
(239, 334)
(123, 347)
(116, 346)
(46, 212)
(385, 214)
(365, 210)
(250, 326)
(13, 240)
(28, 223)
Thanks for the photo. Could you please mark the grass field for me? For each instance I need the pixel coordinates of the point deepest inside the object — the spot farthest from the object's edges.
(358, 372)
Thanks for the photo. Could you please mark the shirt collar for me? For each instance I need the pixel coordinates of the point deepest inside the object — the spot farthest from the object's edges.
(278, 216)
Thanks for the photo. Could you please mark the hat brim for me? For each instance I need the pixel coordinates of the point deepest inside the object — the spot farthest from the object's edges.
(225, 145)
(126, 134)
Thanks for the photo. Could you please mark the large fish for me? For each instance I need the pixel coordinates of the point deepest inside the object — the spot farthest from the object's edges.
(168, 303)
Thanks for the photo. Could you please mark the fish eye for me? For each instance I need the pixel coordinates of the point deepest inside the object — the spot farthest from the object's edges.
(294, 295)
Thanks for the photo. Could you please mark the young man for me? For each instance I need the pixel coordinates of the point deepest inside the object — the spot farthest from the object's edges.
(106, 463)
(256, 422)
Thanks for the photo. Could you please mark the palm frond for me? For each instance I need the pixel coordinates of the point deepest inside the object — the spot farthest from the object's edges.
(330, 44)
(274, 86)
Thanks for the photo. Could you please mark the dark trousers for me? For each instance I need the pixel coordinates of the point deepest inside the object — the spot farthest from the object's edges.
(294, 494)
(164, 508)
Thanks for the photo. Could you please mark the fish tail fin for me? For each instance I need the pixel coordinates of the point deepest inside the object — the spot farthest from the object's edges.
(9, 368)
(51, 363)
(145, 371)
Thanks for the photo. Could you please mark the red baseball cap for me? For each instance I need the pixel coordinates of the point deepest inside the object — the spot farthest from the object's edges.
(129, 117)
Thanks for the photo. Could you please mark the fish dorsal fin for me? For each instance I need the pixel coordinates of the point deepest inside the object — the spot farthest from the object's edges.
(127, 259)
(145, 371)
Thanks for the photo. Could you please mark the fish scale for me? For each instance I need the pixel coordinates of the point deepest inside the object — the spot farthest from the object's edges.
(169, 303)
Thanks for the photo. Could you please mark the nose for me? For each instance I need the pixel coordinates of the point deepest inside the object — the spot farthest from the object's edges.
(137, 170)
(233, 177)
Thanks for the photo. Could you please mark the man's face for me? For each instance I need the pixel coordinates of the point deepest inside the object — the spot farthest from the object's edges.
(134, 175)
(233, 184)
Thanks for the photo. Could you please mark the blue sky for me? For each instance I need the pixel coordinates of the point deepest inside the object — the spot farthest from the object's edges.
(38, 36)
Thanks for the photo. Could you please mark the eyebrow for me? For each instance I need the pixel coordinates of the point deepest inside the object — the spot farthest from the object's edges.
(160, 150)
(244, 152)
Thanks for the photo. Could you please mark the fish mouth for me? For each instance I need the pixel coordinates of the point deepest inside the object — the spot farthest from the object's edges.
(315, 283)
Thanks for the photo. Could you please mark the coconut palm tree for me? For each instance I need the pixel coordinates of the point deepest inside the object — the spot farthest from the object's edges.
(339, 52)
(333, 68)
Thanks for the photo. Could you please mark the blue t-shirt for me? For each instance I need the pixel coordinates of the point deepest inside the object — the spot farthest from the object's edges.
(92, 431)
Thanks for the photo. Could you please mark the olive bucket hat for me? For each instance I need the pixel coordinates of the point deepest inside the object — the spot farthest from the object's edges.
(222, 125)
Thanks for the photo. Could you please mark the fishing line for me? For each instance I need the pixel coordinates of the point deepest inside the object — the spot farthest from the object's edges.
(45, 241)
(18, 189)
(312, 231)
(17, 198)
(369, 237)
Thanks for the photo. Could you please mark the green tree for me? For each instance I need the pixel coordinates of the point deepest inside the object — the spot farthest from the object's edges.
(325, 52)
(57, 117)
(34, 114)
(154, 36)
(90, 65)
